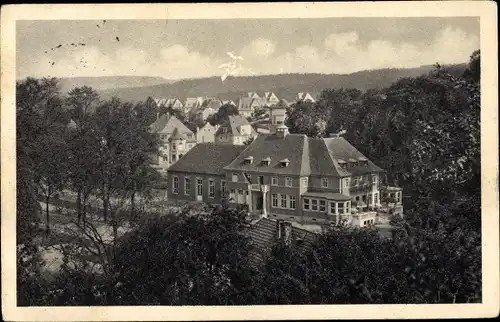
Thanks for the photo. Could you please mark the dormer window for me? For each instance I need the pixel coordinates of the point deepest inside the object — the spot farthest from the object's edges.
(266, 161)
(284, 163)
(342, 163)
(248, 160)
(352, 162)
(363, 161)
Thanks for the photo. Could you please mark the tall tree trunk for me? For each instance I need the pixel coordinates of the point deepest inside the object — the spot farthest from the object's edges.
(132, 210)
(47, 214)
(105, 204)
(84, 206)
(79, 204)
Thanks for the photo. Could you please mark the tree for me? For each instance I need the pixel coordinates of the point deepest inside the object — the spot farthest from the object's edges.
(184, 259)
(306, 118)
(224, 111)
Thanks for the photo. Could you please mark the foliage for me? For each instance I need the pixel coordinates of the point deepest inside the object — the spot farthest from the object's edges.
(224, 111)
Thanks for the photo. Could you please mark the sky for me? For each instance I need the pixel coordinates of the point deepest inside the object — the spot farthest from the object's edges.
(177, 49)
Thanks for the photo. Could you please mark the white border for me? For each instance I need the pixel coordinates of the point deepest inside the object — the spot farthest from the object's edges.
(486, 10)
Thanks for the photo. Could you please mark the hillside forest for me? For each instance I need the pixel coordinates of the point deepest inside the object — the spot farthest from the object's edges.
(423, 130)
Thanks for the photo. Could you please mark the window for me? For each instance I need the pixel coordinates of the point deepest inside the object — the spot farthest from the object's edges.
(292, 202)
(324, 182)
(341, 207)
(274, 181)
(288, 181)
(261, 179)
(304, 182)
(374, 178)
(365, 179)
(314, 205)
(275, 200)
(163, 137)
(348, 207)
(306, 204)
(199, 187)
(346, 182)
(175, 184)
(283, 201)
(376, 198)
(241, 196)
(322, 206)
(235, 177)
(211, 188)
(174, 157)
(332, 207)
(187, 186)
(173, 146)
(232, 195)
(356, 181)
(223, 187)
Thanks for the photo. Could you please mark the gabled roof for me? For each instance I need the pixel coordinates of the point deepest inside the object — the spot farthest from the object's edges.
(244, 103)
(293, 146)
(167, 125)
(232, 124)
(207, 158)
(263, 234)
(191, 102)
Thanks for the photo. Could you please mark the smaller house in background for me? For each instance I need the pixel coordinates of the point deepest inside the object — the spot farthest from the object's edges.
(206, 134)
(176, 139)
(174, 103)
(253, 95)
(230, 102)
(271, 98)
(201, 114)
(244, 108)
(235, 129)
(306, 97)
(190, 103)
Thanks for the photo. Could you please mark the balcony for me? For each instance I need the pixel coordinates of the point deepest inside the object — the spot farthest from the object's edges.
(259, 187)
(361, 188)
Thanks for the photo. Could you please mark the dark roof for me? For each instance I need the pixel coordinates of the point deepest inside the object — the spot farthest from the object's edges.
(292, 146)
(340, 148)
(326, 195)
(263, 234)
(232, 125)
(207, 158)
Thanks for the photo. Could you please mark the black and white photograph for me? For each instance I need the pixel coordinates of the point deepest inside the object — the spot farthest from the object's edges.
(249, 159)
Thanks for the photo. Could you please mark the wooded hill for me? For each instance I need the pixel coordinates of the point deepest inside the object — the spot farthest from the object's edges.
(284, 85)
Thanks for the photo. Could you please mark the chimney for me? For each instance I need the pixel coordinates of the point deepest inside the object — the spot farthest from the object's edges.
(284, 231)
(282, 131)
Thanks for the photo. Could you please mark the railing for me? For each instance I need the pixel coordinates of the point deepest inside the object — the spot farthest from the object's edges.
(364, 215)
(259, 187)
(364, 187)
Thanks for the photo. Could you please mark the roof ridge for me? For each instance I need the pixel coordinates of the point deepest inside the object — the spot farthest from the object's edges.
(305, 157)
(334, 162)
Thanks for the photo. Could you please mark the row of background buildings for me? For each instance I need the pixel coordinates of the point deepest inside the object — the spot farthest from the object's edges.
(177, 139)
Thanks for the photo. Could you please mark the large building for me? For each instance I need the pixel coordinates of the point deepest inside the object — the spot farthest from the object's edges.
(176, 139)
(235, 129)
(289, 177)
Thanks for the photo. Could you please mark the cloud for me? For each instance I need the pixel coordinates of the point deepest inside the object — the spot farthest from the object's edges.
(337, 53)
(345, 53)
(261, 47)
(170, 62)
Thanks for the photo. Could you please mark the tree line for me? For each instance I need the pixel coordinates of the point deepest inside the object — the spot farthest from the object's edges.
(423, 130)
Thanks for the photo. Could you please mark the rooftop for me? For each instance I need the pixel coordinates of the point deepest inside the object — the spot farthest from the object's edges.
(207, 158)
